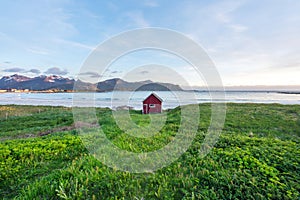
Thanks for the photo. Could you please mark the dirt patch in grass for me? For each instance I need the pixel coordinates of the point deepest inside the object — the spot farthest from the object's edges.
(74, 126)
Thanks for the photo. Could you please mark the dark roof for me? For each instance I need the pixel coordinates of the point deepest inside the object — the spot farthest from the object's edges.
(155, 96)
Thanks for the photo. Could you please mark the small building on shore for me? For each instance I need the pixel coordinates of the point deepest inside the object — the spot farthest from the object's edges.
(152, 104)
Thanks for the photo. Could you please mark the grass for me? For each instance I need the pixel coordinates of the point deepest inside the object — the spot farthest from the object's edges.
(240, 166)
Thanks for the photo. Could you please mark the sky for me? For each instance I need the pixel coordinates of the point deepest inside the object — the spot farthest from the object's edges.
(250, 42)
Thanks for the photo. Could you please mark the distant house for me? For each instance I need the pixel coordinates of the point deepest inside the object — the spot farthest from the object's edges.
(152, 104)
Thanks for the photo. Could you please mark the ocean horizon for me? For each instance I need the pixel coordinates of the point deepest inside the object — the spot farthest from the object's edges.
(171, 99)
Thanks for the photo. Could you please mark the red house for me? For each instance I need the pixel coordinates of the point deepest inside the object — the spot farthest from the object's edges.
(152, 104)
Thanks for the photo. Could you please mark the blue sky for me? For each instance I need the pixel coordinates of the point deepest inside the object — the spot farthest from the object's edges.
(251, 42)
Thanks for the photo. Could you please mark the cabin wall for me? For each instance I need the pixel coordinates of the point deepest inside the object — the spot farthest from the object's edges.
(152, 100)
(152, 105)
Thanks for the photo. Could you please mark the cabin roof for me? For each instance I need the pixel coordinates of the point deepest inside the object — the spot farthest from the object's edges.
(155, 95)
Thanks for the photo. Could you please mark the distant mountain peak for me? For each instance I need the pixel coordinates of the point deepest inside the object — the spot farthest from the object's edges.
(15, 78)
(42, 82)
(121, 85)
(56, 82)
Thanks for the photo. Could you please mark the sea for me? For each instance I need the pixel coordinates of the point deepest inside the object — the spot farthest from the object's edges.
(134, 99)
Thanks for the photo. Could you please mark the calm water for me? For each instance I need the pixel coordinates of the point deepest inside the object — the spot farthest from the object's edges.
(134, 99)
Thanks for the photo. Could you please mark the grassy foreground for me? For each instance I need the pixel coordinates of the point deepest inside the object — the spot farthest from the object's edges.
(42, 156)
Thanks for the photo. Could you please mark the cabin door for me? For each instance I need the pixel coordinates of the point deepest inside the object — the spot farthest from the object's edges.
(145, 108)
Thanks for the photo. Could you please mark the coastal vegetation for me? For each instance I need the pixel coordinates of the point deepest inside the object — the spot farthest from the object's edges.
(256, 157)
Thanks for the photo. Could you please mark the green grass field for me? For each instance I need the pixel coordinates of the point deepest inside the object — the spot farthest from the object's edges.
(42, 156)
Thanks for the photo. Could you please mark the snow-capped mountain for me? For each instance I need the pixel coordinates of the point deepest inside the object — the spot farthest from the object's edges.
(14, 79)
(55, 82)
(37, 83)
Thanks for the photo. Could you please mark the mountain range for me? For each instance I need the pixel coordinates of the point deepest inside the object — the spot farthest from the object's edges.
(54, 82)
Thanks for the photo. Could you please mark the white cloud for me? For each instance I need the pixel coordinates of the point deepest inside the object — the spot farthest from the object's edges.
(56, 71)
(224, 9)
(238, 28)
(265, 76)
(37, 50)
(74, 44)
(224, 13)
(151, 3)
(138, 19)
(14, 69)
(34, 71)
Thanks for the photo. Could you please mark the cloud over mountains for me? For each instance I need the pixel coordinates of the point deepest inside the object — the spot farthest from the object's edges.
(57, 71)
(14, 69)
(49, 71)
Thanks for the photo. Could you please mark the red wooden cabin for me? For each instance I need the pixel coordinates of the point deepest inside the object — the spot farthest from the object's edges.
(152, 104)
